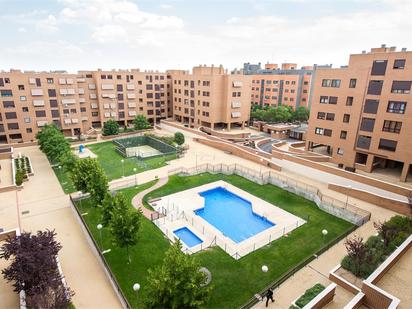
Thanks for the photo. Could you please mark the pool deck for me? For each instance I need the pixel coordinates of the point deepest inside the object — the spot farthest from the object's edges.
(179, 208)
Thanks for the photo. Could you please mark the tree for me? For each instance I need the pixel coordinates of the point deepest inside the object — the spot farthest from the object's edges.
(387, 232)
(124, 223)
(110, 127)
(107, 208)
(140, 122)
(179, 138)
(53, 143)
(301, 114)
(177, 283)
(358, 252)
(88, 176)
(68, 160)
(34, 269)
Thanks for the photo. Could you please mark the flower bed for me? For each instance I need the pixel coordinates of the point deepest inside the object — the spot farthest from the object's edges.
(364, 258)
(309, 294)
(23, 165)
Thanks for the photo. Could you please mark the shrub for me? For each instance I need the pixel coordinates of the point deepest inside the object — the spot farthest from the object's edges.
(19, 177)
(179, 138)
(140, 122)
(309, 295)
(110, 127)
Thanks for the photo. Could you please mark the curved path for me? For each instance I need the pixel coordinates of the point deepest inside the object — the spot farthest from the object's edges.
(137, 200)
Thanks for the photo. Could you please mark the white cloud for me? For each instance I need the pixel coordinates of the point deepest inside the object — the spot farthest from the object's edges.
(49, 24)
(166, 6)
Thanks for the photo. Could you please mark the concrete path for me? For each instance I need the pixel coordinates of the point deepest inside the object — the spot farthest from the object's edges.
(137, 201)
(42, 205)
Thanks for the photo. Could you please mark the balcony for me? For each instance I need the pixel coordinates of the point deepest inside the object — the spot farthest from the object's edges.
(132, 113)
(131, 96)
(237, 84)
(92, 86)
(106, 106)
(68, 101)
(82, 100)
(93, 96)
(236, 104)
(131, 104)
(67, 121)
(107, 87)
(41, 123)
(130, 86)
(62, 81)
(38, 102)
(75, 120)
(69, 81)
(81, 80)
(107, 115)
(236, 114)
(94, 105)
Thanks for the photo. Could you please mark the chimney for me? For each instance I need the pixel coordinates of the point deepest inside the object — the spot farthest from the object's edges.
(404, 49)
(363, 51)
(383, 46)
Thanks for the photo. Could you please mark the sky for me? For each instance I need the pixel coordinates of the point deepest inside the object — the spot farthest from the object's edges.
(179, 34)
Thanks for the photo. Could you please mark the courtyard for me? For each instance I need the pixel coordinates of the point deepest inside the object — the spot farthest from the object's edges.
(234, 281)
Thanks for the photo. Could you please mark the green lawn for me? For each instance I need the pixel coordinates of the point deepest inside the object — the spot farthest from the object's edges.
(111, 163)
(234, 281)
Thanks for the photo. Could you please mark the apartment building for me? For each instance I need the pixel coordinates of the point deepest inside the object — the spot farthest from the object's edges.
(275, 86)
(361, 114)
(210, 97)
(78, 102)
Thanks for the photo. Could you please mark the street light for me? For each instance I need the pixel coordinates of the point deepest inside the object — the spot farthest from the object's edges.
(135, 176)
(122, 166)
(347, 196)
(265, 269)
(261, 161)
(324, 233)
(99, 227)
(136, 288)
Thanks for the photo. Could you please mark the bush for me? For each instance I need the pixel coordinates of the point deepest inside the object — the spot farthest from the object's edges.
(309, 295)
(179, 138)
(140, 123)
(19, 177)
(110, 127)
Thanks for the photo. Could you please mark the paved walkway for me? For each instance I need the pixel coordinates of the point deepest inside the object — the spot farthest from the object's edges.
(43, 205)
(137, 201)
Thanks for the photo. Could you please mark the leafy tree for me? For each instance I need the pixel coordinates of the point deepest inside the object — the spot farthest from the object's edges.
(110, 127)
(140, 122)
(124, 223)
(358, 252)
(107, 208)
(34, 269)
(301, 114)
(53, 143)
(177, 283)
(179, 138)
(68, 160)
(88, 176)
(387, 232)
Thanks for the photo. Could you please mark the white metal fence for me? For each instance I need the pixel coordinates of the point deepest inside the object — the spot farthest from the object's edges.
(343, 210)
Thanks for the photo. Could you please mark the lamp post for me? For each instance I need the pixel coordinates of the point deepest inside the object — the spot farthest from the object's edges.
(135, 176)
(261, 161)
(136, 288)
(99, 227)
(122, 160)
(324, 233)
(265, 269)
(347, 196)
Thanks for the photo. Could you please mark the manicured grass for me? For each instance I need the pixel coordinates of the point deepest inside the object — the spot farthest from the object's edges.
(111, 163)
(148, 252)
(236, 281)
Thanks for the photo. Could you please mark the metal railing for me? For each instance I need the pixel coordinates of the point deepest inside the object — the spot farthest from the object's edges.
(344, 210)
(96, 249)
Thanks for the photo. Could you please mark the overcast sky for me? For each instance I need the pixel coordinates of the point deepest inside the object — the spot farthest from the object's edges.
(160, 35)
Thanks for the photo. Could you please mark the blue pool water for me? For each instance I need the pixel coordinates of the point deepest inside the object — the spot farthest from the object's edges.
(231, 214)
(187, 236)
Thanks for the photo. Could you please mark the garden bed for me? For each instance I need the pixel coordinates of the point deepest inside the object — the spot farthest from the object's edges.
(306, 297)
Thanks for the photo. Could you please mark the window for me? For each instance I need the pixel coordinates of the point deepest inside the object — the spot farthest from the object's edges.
(375, 87)
(379, 67)
(120, 96)
(343, 134)
(399, 64)
(335, 83)
(27, 120)
(40, 113)
(371, 106)
(55, 113)
(29, 130)
(349, 101)
(13, 126)
(324, 99)
(11, 115)
(50, 80)
(352, 83)
(6, 93)
(23, 98)
(95, 114)
(401, 86)
(346, 118)
(38, 82)
(25, 109)
(333, 100)
(319, 131)
(321, 115)
(340, 151)
(8, 104)
(327, 132)
(330, 116)
(103, 76)
(287, 82)
(396, 107)
(119, 88)
(52, 93)
(392, 126)
(367, 124)
(326, 82)
(386, 144)
(53, 103)
(364, 142)
(89, 75)
(118, 76)
(21, 87)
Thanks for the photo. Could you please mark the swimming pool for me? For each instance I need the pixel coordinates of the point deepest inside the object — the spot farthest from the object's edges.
(188, 237)
(231, 214)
